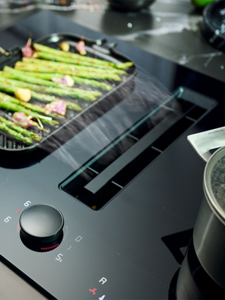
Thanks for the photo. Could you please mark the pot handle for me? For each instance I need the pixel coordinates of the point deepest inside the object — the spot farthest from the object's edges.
(203, 142)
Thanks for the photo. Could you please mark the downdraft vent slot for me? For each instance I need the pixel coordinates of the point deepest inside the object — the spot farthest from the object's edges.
(172, 134)
(106, 174)
(111, 155)
(196, 113)
(129, 172)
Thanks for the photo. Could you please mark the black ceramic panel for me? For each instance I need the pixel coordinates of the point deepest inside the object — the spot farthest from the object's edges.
(119, 251)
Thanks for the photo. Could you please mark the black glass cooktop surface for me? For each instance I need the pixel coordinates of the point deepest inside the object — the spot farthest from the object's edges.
(127, 184)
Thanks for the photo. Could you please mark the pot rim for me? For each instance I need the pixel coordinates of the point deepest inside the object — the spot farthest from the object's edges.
(213, 203)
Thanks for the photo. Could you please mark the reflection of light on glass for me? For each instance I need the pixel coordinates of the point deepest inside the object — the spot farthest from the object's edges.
(221, 67)
(158, 19)
(129, 25)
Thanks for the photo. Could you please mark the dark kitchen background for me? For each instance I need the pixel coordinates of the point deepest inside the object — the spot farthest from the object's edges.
(168, 28)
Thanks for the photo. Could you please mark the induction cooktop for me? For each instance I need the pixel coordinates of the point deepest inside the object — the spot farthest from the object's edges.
(122, 194)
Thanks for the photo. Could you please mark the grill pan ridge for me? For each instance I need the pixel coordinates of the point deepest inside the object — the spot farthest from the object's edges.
(100, 49)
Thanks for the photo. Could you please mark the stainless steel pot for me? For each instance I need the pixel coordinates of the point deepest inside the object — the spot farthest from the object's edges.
(209, 229)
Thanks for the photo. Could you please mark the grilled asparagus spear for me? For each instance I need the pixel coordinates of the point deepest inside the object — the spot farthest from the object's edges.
(9, 88)
(15, 134)
(49, 98)
(29, 106)
(71, 67)
(26, 77)
(62, 70)
(49, 76)
(47, 61)
(19, 129)
(76, 62)
(79, 59)
(15, 74)
(71, 92)
(18, 108)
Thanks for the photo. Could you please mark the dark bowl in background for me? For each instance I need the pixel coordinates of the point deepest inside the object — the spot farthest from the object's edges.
(114, 23)
(130, 5)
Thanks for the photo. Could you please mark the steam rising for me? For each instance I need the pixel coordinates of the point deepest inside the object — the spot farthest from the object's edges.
(104, 122)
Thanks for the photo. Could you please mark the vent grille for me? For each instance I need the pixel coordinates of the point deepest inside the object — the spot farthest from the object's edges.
(106, 174)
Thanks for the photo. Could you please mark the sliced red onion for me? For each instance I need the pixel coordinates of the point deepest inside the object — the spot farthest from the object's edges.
(80, 46)
(27, 50)
(20, 119)
(65, 80)
(57, 106)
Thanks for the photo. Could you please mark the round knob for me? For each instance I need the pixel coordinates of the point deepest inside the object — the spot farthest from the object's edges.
(41, 224)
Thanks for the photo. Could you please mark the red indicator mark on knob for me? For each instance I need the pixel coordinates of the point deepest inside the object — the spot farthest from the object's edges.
(93, 291)
(17, 211)
(49, 248)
